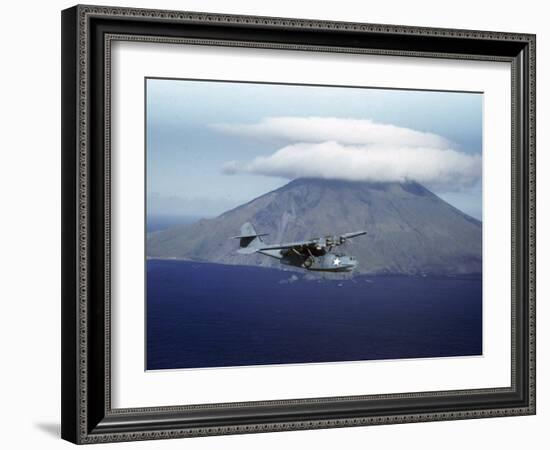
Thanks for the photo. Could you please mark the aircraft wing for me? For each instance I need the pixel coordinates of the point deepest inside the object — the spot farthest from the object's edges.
(309, 243)
(288, 245)
(354, 234)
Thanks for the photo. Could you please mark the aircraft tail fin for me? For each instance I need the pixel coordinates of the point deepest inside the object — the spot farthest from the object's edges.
(249, 240)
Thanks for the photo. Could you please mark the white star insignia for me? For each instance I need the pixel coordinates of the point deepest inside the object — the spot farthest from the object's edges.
(336, 261)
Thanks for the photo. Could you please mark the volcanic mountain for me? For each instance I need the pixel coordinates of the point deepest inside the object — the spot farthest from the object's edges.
(410, 230)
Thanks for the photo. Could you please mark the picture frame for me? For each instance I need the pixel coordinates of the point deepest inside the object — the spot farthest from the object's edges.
(88, 33)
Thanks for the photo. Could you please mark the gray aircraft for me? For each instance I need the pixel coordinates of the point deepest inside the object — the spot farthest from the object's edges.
(313, 254)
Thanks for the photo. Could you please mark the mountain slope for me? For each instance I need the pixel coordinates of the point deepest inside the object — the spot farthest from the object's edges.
(410, 229)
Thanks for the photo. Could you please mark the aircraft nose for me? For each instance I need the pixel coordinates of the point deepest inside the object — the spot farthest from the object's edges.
(352, 262)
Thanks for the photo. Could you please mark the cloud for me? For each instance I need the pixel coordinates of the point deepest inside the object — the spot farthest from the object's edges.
(356, 150)
(442, 169)
(342, 130)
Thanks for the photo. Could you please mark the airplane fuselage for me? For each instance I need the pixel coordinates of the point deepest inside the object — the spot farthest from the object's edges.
(326, 262)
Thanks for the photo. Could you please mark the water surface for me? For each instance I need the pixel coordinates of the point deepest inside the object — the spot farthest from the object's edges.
(211, 315)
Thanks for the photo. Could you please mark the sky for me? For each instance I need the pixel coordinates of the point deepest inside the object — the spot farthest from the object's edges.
(212, 146)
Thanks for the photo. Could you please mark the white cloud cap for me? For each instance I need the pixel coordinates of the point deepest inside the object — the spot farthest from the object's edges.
(342, 130)
(356, 150)
(444, 169)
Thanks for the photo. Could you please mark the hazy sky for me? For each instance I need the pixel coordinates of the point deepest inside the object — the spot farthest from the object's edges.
(212, 146)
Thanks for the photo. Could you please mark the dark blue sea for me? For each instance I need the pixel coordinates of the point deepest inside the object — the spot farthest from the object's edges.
(210, 315)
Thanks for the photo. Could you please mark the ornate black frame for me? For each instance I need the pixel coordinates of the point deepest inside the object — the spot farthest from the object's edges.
(87, 416)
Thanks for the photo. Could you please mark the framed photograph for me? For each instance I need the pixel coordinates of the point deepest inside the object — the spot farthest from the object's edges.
(278, 224)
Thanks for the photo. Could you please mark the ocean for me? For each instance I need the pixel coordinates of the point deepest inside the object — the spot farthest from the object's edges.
(213, 315)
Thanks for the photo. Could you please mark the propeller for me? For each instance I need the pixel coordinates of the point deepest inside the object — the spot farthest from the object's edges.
(339, 240)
